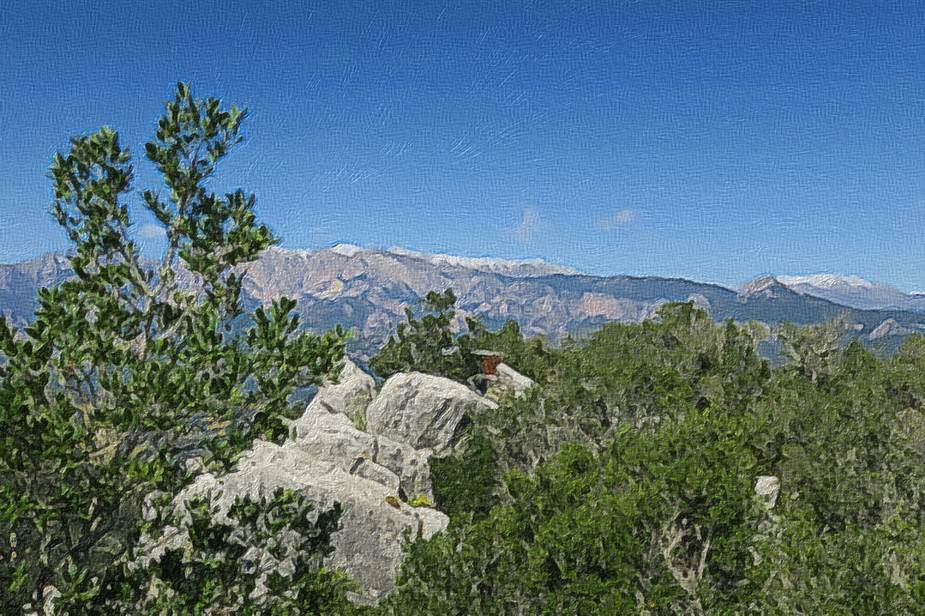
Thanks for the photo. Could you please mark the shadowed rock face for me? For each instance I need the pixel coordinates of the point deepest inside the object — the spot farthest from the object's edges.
(372, 473)
(368, 290)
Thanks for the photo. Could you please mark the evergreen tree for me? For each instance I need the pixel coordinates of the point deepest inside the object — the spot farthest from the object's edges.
(131, 369)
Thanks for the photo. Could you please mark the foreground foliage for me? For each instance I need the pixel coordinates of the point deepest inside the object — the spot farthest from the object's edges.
(259, 557)
(132, 372)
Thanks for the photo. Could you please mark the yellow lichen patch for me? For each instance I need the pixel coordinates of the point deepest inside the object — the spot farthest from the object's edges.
(421, 501)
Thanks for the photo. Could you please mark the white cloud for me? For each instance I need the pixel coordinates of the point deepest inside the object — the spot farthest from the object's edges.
(151, 231)
(617, 219)
(530, 227)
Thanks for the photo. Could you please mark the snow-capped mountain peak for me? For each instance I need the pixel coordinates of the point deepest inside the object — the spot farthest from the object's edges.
(347, 250)
(854, 291)
(487, 264)
(508, 267)
(827, 281)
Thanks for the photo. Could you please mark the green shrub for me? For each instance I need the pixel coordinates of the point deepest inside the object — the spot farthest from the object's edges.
(465, 482)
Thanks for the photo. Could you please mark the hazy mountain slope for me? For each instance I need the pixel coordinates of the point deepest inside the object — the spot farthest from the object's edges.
(854, 291)
(19, 283)
(367, 290)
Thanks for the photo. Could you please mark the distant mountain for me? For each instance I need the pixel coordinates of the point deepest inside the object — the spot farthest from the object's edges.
(508, 267)
(854, 291)
(20, 282)
(368, 289)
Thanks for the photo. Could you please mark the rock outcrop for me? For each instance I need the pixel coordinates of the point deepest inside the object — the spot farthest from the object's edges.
(374, 523)
(889, 328)
(331, 437)
(513, 381)
(372, 473)
(767, 287)
(425, 411)
(351, 394)
(767, 489)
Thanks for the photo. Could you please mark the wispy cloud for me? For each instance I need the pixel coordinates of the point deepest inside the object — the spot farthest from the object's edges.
(151, 231)
(617, 219)
(531, 226)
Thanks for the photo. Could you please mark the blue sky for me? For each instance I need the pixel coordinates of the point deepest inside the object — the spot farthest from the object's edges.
(710, 140)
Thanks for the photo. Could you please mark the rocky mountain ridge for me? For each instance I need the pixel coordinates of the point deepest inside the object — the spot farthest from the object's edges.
(367, 290)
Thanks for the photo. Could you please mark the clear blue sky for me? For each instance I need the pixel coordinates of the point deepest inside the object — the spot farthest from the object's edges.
(710, 140)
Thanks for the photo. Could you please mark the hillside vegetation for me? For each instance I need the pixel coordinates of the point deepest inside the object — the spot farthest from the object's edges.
(626, 481)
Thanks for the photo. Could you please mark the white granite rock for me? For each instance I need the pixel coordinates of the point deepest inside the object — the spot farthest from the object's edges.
(423, 411)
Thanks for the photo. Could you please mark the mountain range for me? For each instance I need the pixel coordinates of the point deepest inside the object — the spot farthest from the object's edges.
(367, 290)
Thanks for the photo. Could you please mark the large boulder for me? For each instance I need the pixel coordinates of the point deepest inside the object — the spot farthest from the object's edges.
(373, 475)
(767, 489)
(424, 411)
(517, 382)
(332, 438)
(368, 545)
(508, 381)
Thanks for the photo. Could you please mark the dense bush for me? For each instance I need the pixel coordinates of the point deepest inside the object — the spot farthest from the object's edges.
(627, 374)
(265, 558)
(626, 483)
(466, 482)
(608, 533)
(427, 343)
